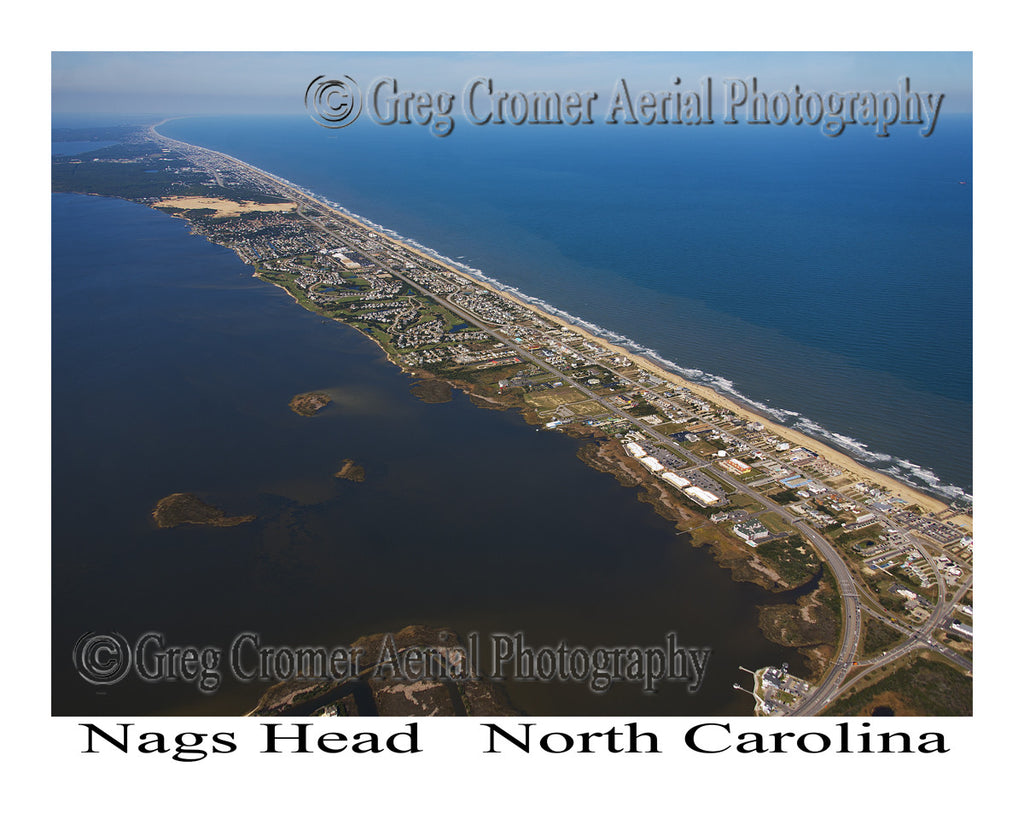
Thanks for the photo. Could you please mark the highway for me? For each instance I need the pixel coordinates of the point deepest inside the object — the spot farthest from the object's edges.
(918, 639)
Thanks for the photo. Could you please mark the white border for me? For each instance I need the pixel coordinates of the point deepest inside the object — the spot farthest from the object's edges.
(51, 770)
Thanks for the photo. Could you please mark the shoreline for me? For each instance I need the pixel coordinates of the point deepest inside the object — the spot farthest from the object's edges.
(854, 468)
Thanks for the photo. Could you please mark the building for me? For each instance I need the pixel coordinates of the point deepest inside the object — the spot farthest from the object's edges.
(701, 496)
(736, 466)
(752, 531)
(653, 464)
(635, 450)
(675, 480)
(801, 454)
(961, 628)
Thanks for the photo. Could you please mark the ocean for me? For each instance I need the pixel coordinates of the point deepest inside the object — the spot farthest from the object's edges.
(826, 282)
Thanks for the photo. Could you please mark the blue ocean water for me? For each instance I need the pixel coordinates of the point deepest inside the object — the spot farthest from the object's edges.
(825, 282)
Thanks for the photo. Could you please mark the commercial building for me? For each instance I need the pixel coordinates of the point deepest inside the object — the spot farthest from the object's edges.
(701, 496)
(653, 464)
(736, 466)
(675, 480)
(752, 531)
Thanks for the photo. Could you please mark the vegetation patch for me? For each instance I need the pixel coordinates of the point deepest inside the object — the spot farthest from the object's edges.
(792, 558)
(924, 687)
(351, 471)
(432, 391)
(181, 508)
(786, 496)
(878, 637)
(309, 403)
(810, 624)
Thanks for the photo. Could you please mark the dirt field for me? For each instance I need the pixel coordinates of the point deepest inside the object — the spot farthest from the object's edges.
(548, 400)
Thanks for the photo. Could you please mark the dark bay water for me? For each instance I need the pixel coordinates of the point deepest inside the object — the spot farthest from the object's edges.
(67, 148)
(172, 372)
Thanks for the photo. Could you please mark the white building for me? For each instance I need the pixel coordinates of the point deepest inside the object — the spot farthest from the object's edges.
(675, 480)
(635, 450)
(652, 464)
(701, 496)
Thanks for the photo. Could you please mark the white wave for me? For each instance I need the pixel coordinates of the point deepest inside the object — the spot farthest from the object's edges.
(912, 473)
(851, 445)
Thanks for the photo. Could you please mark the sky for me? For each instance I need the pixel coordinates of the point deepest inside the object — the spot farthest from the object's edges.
(177, 82)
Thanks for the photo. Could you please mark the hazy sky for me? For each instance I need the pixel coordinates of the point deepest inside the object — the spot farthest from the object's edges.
(274, 82)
